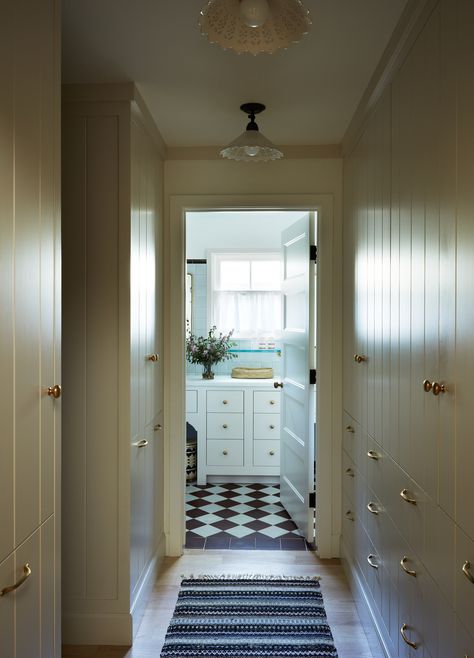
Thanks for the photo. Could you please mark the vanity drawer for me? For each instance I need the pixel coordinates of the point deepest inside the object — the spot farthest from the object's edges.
(266, 453)
(223, 426)
(191, 402)
(225, 453)
(266, 402)
(266, 426)
(232, 401)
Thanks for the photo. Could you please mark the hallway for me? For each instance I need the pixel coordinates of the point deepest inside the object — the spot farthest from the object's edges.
(349, 637)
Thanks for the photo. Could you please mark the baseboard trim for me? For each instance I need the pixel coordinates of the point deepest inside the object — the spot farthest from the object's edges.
(97, 628)
(370, 624)
(145, 586)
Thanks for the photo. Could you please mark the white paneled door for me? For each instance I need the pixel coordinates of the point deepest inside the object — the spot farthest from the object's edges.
(298, 395)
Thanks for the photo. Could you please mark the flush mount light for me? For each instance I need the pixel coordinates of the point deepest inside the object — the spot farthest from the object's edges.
(251, 145)
(254, 26)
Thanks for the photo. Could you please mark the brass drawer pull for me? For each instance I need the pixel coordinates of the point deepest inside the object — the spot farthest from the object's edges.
(360, 358)
(466, 569)
(54, 391)
(349, 516)
(406, 497)
(404, 628)
(153, 357)
(350, 429)
(438, 388)
(157, 427)
(277, 385)
(372, 507)
(350, 472)
(373, 455)
(19, 583)
(142, 444)
(403, 562)
(427, 385)
(370, 560)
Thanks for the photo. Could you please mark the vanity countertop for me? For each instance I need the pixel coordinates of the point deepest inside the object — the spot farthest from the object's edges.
(193, 381)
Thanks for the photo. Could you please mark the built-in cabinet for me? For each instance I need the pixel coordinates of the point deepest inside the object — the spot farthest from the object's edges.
(113, 534)
(238, 427)
(408, 492)
(30, 302)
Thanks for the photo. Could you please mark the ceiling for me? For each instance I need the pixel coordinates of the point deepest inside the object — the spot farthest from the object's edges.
(194, 89)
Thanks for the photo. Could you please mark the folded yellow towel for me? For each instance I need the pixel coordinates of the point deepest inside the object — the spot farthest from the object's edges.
(252, 373)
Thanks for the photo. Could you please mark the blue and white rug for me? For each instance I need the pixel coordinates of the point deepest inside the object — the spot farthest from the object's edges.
(249, 617)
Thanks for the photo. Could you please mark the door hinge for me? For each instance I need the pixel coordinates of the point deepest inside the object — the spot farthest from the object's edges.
(313, 252)
(312, 499)
(312, 376)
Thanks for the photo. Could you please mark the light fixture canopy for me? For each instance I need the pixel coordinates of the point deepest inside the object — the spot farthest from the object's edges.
(251, 145)
(254, 26)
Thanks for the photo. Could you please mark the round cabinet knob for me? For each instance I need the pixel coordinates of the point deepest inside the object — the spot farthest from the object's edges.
(350, 472)
(360, 358)
(157, 427)
(54, 391)
(427, 385)
(272, 427)
(271, 452)
(272, 402)
(277, 385)
(225, 452)
(350, 429)
(225, 401)
(438, 388)
(225, 426)
(153, 357)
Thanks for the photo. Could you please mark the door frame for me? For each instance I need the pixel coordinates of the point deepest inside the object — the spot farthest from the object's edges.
(328, 389)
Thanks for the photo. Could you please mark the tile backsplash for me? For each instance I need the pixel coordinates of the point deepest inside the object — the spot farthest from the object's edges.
(200, 327)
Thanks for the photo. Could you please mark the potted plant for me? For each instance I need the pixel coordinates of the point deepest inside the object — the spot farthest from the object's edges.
(209, 349)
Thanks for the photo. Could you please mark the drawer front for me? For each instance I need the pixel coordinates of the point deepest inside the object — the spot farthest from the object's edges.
(266, 402)
(266, 453)
(225, 453)
(225, 426)
(232, 401)
(266, 426)
(191, 402)
(464, 589)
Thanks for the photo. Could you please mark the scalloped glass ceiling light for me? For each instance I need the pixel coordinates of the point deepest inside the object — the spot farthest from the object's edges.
(254, 26)
(251, 146)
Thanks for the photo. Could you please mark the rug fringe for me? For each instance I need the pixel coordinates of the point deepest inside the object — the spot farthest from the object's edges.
(244, 576)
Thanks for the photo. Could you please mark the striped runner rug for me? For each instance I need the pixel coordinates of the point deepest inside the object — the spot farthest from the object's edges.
(249, 617)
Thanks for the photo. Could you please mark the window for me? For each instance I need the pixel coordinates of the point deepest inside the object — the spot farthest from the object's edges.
(245, 293)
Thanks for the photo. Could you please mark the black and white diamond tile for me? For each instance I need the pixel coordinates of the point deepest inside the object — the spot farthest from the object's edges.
(237, 516)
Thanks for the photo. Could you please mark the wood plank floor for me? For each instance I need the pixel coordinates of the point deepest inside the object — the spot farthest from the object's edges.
(342, 615)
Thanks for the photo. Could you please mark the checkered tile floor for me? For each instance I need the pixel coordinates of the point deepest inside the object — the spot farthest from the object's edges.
(235, 516)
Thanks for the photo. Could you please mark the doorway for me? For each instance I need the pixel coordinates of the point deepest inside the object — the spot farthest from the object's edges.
(327, 503)
(250, 274)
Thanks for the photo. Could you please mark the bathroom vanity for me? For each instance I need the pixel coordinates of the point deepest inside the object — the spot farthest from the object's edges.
(238, 427)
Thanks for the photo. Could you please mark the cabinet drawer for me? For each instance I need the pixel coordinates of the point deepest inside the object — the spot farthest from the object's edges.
(266, 402)
(223, 426)
(232, 401)
(266, 453)
(266, 426)
(191, 402)
(225, 453)
(464, 586)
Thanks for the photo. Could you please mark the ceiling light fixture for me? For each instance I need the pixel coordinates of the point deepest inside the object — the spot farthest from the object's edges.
(251, 145)
(254, 26)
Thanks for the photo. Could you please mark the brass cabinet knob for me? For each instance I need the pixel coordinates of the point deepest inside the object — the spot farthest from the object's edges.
(360, 358)
(225, 426)
(372, 507)
(277, 385)
(406, 497)
(350, 429)
(349, 515)
(54, 391)
(350, 472)
(466, 569)
(272, 427)
(438, 388)
(157, 427)
(142, 444)
(153, 357)
(427, 385)
(371, 560)
(225, 401)
(371, 454)
(403, 563)
(272, 402)
(225, 452)
(404, 628)
(271, 452)
(19, 583)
